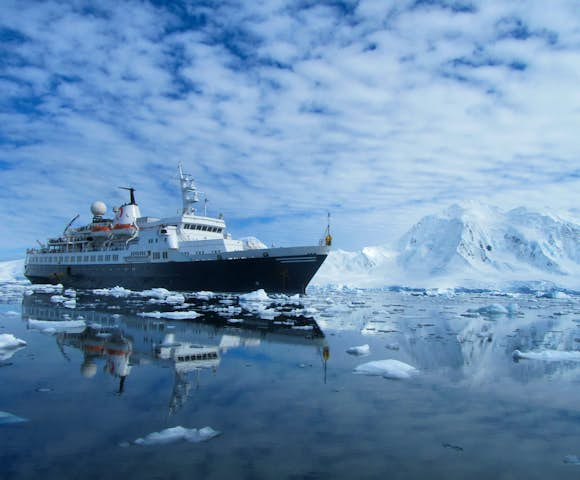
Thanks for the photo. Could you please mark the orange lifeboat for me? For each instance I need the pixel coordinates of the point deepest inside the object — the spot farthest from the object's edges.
(100, 228)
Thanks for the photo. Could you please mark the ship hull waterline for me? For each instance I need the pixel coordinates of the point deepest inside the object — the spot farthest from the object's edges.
(273, 274)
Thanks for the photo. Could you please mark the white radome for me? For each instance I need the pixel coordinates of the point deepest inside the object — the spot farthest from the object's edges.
(98, 208)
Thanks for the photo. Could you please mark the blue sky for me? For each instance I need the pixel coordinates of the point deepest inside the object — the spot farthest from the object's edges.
(378, 111)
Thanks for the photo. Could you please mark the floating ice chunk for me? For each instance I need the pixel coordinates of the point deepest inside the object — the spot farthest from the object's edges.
(555, 294)
(9, 341)
(361, 350)
(235, 320)
(155, 293)
(11, 313)
(203, 295)
(572, 459)
(495, 309)
(256, 296)
(58, 299)
(47, 326)
(175, 434)
(172, 299)
(117, 292)
(188, 315)
(7, 418)
(549, 355)
(69, 292)
(70, 303)
(393, 369)
(44, 289)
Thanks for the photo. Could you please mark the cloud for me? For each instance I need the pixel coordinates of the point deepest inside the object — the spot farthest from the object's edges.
(377, 111)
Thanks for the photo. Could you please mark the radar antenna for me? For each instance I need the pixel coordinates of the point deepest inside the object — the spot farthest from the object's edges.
(131, 193)
(188, 191)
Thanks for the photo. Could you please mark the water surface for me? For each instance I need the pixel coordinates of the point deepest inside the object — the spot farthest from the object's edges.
(281, 389)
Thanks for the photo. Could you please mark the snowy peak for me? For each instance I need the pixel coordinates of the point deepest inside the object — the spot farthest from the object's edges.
(468, 245)
(487, 239)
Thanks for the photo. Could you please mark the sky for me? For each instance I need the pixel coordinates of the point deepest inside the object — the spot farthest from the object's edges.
(379, 112)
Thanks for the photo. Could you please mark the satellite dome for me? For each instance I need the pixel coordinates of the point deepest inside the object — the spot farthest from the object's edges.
(98, 209)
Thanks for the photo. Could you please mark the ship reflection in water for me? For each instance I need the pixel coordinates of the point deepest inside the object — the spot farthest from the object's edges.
(123, 340)
(283, 394)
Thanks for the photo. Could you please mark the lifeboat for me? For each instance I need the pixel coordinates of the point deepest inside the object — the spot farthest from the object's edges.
(100, 230)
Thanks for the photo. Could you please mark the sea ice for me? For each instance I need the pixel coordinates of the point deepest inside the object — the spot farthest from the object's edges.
(175, 434)
(361, 350)
(47, 326)
(9, 341)
(117, 292)
(495, 309)
(256, 296)
(572, 459)
(549, 355)
(190, 314)
(44, 289)
(393, 369)
(555, 294)
(203, 295)
(6, 418)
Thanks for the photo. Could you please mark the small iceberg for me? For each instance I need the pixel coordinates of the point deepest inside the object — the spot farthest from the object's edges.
(257, 296)
(392, 369)
(9, 341)
(361, 350)
(117, 292)
(494, 309)
(9, 345)
(7, 418)
(47, 326)
(572, 459)
(175, 434)
(549, 355)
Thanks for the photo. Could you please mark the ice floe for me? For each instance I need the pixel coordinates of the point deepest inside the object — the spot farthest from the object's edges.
(202, 295)
(47, 326)
(554, 294)
(117, 292)
(176, 434)
(361, 350)
(494, 309)
(256, 296)
(392, 369)
(572, 459)
(181, 315)
(44, 289)
(549, 355)
(9, 341)
(7, 418)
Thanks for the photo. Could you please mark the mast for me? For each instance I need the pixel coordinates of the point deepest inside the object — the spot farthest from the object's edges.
(188, 192)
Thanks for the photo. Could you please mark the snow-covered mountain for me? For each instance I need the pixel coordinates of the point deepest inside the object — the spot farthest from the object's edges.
(467, 245)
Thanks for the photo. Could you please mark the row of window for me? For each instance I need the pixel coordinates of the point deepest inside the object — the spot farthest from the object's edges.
(202, 228)
(74, 258)
(157, 255)
(198, 356)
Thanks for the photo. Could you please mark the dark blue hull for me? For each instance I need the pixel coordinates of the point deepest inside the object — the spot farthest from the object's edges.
(273, 274)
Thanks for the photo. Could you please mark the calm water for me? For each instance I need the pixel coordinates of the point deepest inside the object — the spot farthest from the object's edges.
(281, 390)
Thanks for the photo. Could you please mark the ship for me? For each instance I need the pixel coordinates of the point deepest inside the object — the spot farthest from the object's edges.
(186, 252)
